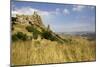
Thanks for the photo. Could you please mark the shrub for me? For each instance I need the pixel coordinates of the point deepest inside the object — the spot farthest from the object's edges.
(12, 28)
(14, 38)
(19, 36)
(13, 18)
(48, 35)
(34, 31)
(30, 28)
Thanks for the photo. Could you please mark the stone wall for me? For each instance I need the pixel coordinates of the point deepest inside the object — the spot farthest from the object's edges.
(29, 19)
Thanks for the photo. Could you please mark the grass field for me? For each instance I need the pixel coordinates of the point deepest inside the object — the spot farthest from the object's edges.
(45, 51)
(44, 33)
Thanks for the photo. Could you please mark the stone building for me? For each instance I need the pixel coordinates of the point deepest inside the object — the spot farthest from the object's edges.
(29, 19)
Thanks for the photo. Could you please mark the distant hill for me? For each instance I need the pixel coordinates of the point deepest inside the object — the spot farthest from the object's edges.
(89, 35)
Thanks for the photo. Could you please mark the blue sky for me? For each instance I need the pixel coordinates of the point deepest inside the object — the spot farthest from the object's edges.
(60, 17)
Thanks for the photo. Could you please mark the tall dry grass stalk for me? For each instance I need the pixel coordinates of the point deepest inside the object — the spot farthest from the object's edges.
(46, 51)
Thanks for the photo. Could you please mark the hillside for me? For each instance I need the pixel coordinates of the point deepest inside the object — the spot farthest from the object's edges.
(34, 43)
(33, 28)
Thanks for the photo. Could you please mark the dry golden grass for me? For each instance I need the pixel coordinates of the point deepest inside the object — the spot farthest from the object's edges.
(46, 51)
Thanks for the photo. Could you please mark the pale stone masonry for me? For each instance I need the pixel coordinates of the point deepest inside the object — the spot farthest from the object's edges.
(29, 19)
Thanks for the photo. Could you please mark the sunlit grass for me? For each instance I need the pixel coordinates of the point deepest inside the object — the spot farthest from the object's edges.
(45, 51)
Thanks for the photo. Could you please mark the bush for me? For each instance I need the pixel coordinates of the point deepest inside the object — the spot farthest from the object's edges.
(13, 18)
(19, 36)
(30, 28)
(48, 35)
(14, 38)
(12, 28)
(34, 31)
(35, 36)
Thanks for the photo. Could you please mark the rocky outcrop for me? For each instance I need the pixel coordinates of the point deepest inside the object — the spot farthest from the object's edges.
(29, 19)
(36, 22)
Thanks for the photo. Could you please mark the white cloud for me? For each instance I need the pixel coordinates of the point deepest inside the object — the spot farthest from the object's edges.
(29, 11)
(65, 11)
(78, 8)
(57, 11)
(23, 10)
